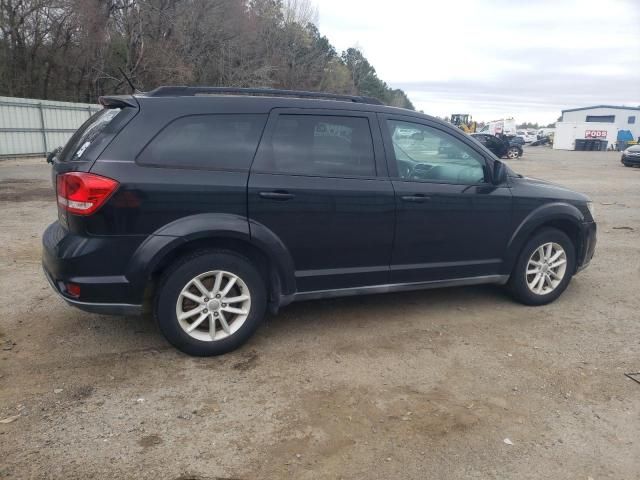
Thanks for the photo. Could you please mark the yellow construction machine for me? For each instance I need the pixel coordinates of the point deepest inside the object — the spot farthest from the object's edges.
(464, 122)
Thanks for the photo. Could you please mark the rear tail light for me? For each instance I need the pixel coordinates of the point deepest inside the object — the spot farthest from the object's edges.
(83, 193)
(72, 289)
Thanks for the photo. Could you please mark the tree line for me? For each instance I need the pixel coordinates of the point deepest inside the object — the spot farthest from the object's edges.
(535, 126)
(73, 49)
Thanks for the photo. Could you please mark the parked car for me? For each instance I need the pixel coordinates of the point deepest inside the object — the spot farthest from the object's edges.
(527, 136)
(545, 132)
(212, 206)
(543, 141)
(631, 156)
(499, 146)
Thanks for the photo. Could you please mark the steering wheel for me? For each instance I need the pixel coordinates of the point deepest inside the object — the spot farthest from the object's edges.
(420, 171)
(405, 169)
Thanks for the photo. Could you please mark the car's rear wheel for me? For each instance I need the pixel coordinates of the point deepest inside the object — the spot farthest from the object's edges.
(513, 153)
(210, 303)
(544, 268)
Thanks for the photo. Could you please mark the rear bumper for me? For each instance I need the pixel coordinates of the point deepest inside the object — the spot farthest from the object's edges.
(588, 245)
(94, 307)
(69, 258)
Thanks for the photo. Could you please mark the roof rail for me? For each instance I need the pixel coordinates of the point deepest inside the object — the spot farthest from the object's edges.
(184, 91)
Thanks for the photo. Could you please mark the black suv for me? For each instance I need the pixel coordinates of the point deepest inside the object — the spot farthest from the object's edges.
(212, 206)
(500, 147)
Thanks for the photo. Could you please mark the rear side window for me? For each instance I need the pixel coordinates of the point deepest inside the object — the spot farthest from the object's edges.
(320, 146)
(87, 134)
(219, 142)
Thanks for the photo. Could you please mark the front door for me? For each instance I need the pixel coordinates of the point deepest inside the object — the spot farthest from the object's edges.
(319, 183)
(452, 223)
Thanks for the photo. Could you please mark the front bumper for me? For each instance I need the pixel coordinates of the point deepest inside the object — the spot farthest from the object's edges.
(588, 245)
(94, 264)
(631, 159)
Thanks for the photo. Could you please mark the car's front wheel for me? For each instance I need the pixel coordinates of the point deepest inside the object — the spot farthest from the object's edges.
(544, 268)
(210, 303)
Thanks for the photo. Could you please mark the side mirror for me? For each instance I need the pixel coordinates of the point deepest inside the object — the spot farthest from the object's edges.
(53, 154)
(499, 173)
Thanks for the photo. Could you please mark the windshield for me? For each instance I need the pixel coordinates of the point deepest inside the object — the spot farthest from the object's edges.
(87, 133)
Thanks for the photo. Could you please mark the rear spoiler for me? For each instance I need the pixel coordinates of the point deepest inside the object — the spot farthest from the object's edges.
(118, 101)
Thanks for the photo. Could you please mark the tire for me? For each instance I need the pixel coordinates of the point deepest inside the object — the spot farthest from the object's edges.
(513, 153)
(520, 281)
(207, 266)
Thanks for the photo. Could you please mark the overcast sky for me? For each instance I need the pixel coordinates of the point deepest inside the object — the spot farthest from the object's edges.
(496, 58)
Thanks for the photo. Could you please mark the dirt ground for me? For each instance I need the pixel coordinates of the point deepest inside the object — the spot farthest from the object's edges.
(420, 385)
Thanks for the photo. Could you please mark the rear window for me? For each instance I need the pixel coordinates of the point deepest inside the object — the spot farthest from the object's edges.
(219, 142)
(87, 134)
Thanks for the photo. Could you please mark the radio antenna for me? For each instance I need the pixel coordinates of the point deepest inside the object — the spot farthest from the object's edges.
(133, 87)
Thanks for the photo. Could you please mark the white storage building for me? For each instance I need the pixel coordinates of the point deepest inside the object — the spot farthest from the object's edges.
(597, 126)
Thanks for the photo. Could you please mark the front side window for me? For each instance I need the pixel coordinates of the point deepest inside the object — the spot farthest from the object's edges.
(218, 142)
(320, 145)
(426, 154)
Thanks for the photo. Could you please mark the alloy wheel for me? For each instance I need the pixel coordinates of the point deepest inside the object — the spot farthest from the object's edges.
(546, 268)
(213, 305)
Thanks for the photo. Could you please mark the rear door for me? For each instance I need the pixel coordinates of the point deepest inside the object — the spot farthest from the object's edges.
(319, 182)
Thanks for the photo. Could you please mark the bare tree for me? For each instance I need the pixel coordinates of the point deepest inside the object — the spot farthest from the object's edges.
(302, 12)
(73, 49)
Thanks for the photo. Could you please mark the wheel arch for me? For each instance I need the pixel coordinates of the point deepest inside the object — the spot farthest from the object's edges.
(562, 216)
(214, 231)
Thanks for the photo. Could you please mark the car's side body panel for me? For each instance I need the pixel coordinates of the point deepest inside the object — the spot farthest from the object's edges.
(151, 198)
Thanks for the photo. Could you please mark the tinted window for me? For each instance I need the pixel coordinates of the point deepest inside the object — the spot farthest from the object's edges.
(87, 134)
(226, 142)
(631, 119)
(321, 145)
(428, 154)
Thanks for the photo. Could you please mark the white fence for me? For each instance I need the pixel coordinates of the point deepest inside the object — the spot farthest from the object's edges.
(36, 127)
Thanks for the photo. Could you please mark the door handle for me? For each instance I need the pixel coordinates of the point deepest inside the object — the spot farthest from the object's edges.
(277, 195)
(417, 198)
